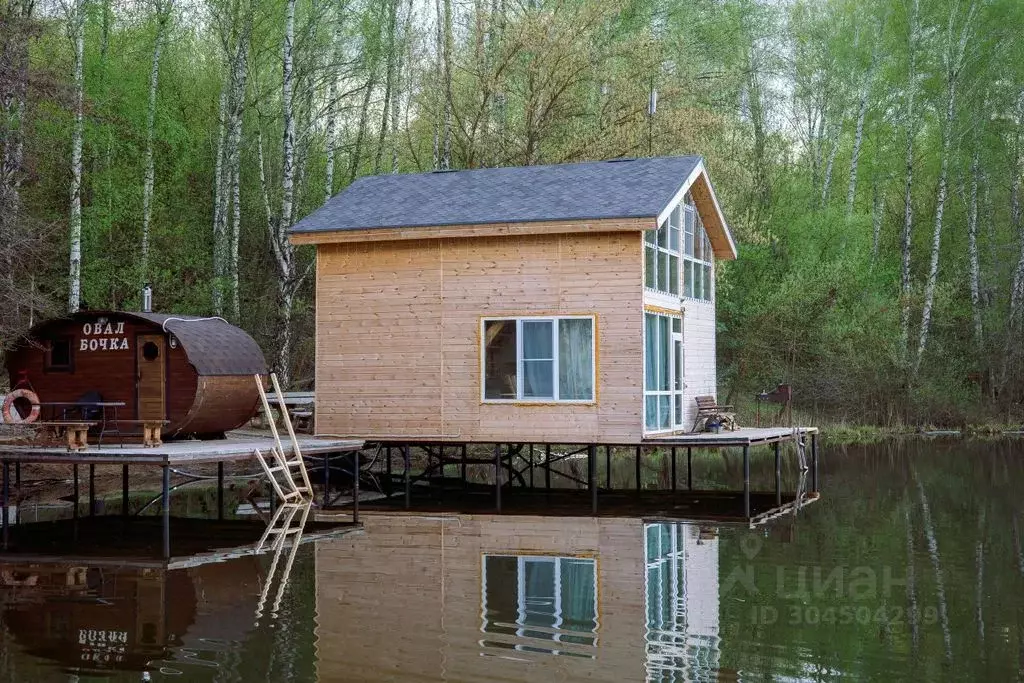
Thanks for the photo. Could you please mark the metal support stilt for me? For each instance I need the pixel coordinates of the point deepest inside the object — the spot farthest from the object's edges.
(689, 468)
(408, 481)
(592, 476)
(778, 475)
(124, 491)
(547, 468)
(7, 502)
(465, 477)
(220, 490)
(327, 479)
(531, 466)
(92, 490)
(637, 474)
(608, 467)
(673, 469)
(387, 458)
(497, 476)
(166, 502)
(355, 491)
(75, 494)
(746, 481)
(814, 462)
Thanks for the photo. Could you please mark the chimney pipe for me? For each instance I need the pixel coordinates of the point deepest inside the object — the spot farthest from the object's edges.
(147, 299)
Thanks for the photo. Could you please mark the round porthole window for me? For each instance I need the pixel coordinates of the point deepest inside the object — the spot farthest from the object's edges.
(150, 351)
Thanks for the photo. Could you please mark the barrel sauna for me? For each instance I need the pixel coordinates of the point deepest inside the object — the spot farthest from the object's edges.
(195, 373)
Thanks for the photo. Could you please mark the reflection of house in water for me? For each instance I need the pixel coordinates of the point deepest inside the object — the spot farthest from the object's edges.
(681, 585)
(484, 597)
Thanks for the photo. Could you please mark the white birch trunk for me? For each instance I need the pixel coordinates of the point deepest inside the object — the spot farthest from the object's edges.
(827, 184)
(219, 205)
(858, 138)
(954, 62)
(239, 73)
(389, 82)
(77, 31)
(1017, 286)
(330, 134)
(446, 125)
(972, 252)
(940, 584)
(163, 15)
(908, 196)
(282, 248)
(876, 219)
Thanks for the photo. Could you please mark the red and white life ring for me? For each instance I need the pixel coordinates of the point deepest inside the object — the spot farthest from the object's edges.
(12, 415)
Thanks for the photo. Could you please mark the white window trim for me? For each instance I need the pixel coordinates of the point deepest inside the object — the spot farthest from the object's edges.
(555, 352)
(698, 226)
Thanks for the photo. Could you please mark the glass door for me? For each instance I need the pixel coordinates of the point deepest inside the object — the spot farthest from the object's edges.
(678, 373)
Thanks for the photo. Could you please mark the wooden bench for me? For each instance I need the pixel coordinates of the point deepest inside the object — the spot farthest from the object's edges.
(150, 430)
(76, 431)
(707, 407)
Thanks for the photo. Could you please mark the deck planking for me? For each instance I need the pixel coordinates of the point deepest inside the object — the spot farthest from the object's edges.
(171, 453)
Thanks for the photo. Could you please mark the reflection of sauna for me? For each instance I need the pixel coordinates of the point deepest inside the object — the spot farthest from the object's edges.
(93, 618)
(681, 593)
(540, 604)
(97, 617)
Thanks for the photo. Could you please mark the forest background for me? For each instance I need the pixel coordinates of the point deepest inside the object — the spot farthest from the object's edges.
(869, 156)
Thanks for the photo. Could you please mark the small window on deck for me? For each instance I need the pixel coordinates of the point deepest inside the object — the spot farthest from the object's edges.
(538, 359)
(58, 355)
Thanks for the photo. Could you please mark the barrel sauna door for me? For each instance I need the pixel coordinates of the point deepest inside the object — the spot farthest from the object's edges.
(152, 378)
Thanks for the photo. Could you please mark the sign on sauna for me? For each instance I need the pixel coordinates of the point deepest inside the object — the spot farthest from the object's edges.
(97, 337)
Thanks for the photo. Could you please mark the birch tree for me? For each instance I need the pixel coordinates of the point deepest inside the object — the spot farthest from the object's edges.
(908, 191)
(953, 63)
(75, 13)
(162, 9)
(862, 110)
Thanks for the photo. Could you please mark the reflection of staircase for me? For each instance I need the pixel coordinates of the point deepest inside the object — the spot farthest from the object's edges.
(286, 471)
(287, 522)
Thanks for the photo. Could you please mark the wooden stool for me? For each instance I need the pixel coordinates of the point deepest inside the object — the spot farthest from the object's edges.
(151, 433)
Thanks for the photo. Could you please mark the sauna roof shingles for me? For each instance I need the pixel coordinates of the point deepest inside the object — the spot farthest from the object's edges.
(213, 345)
(626, 188)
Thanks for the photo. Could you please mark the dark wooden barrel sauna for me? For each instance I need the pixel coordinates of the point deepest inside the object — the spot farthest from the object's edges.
(195, 373)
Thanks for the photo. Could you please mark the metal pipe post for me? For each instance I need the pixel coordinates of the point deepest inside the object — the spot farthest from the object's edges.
(689, 468)
(387, 457)
(465, 478)
(547, 467)
(608, 467)
(166, 502)
(814, 462)
(327, 479)
(355, 492)
(637, 474)
(6, 503)
(592, 478)
(124, 491)
(92, 490)
(531, 466)
(74, 469)
(17, 489)
(220, 490)
(778, 475)
(746, 481)
(673, 468)
(497, 476)
(408, 482)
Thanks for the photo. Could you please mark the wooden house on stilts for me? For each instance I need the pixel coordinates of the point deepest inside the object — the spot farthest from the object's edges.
(570, 302)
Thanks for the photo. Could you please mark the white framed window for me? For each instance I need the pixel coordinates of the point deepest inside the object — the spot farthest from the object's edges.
(662, 254)
(698, 259)
(538, 359)
(540, 604)
(664, 372)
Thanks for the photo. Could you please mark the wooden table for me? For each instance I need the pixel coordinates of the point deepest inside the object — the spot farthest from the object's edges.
(80, 407)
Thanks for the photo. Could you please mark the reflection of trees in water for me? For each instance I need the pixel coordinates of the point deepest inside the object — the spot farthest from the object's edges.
(920, 540)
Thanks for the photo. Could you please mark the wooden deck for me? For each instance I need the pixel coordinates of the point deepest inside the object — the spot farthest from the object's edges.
(172, 452)
(744, 436)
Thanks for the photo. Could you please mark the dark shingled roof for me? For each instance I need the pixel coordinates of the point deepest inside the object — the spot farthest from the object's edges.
(213, 345)
(625, 188)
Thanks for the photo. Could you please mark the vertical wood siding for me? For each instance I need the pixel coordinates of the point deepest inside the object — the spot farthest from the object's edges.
(398, 333)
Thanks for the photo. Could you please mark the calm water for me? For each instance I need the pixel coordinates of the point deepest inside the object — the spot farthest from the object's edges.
(910, 567)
